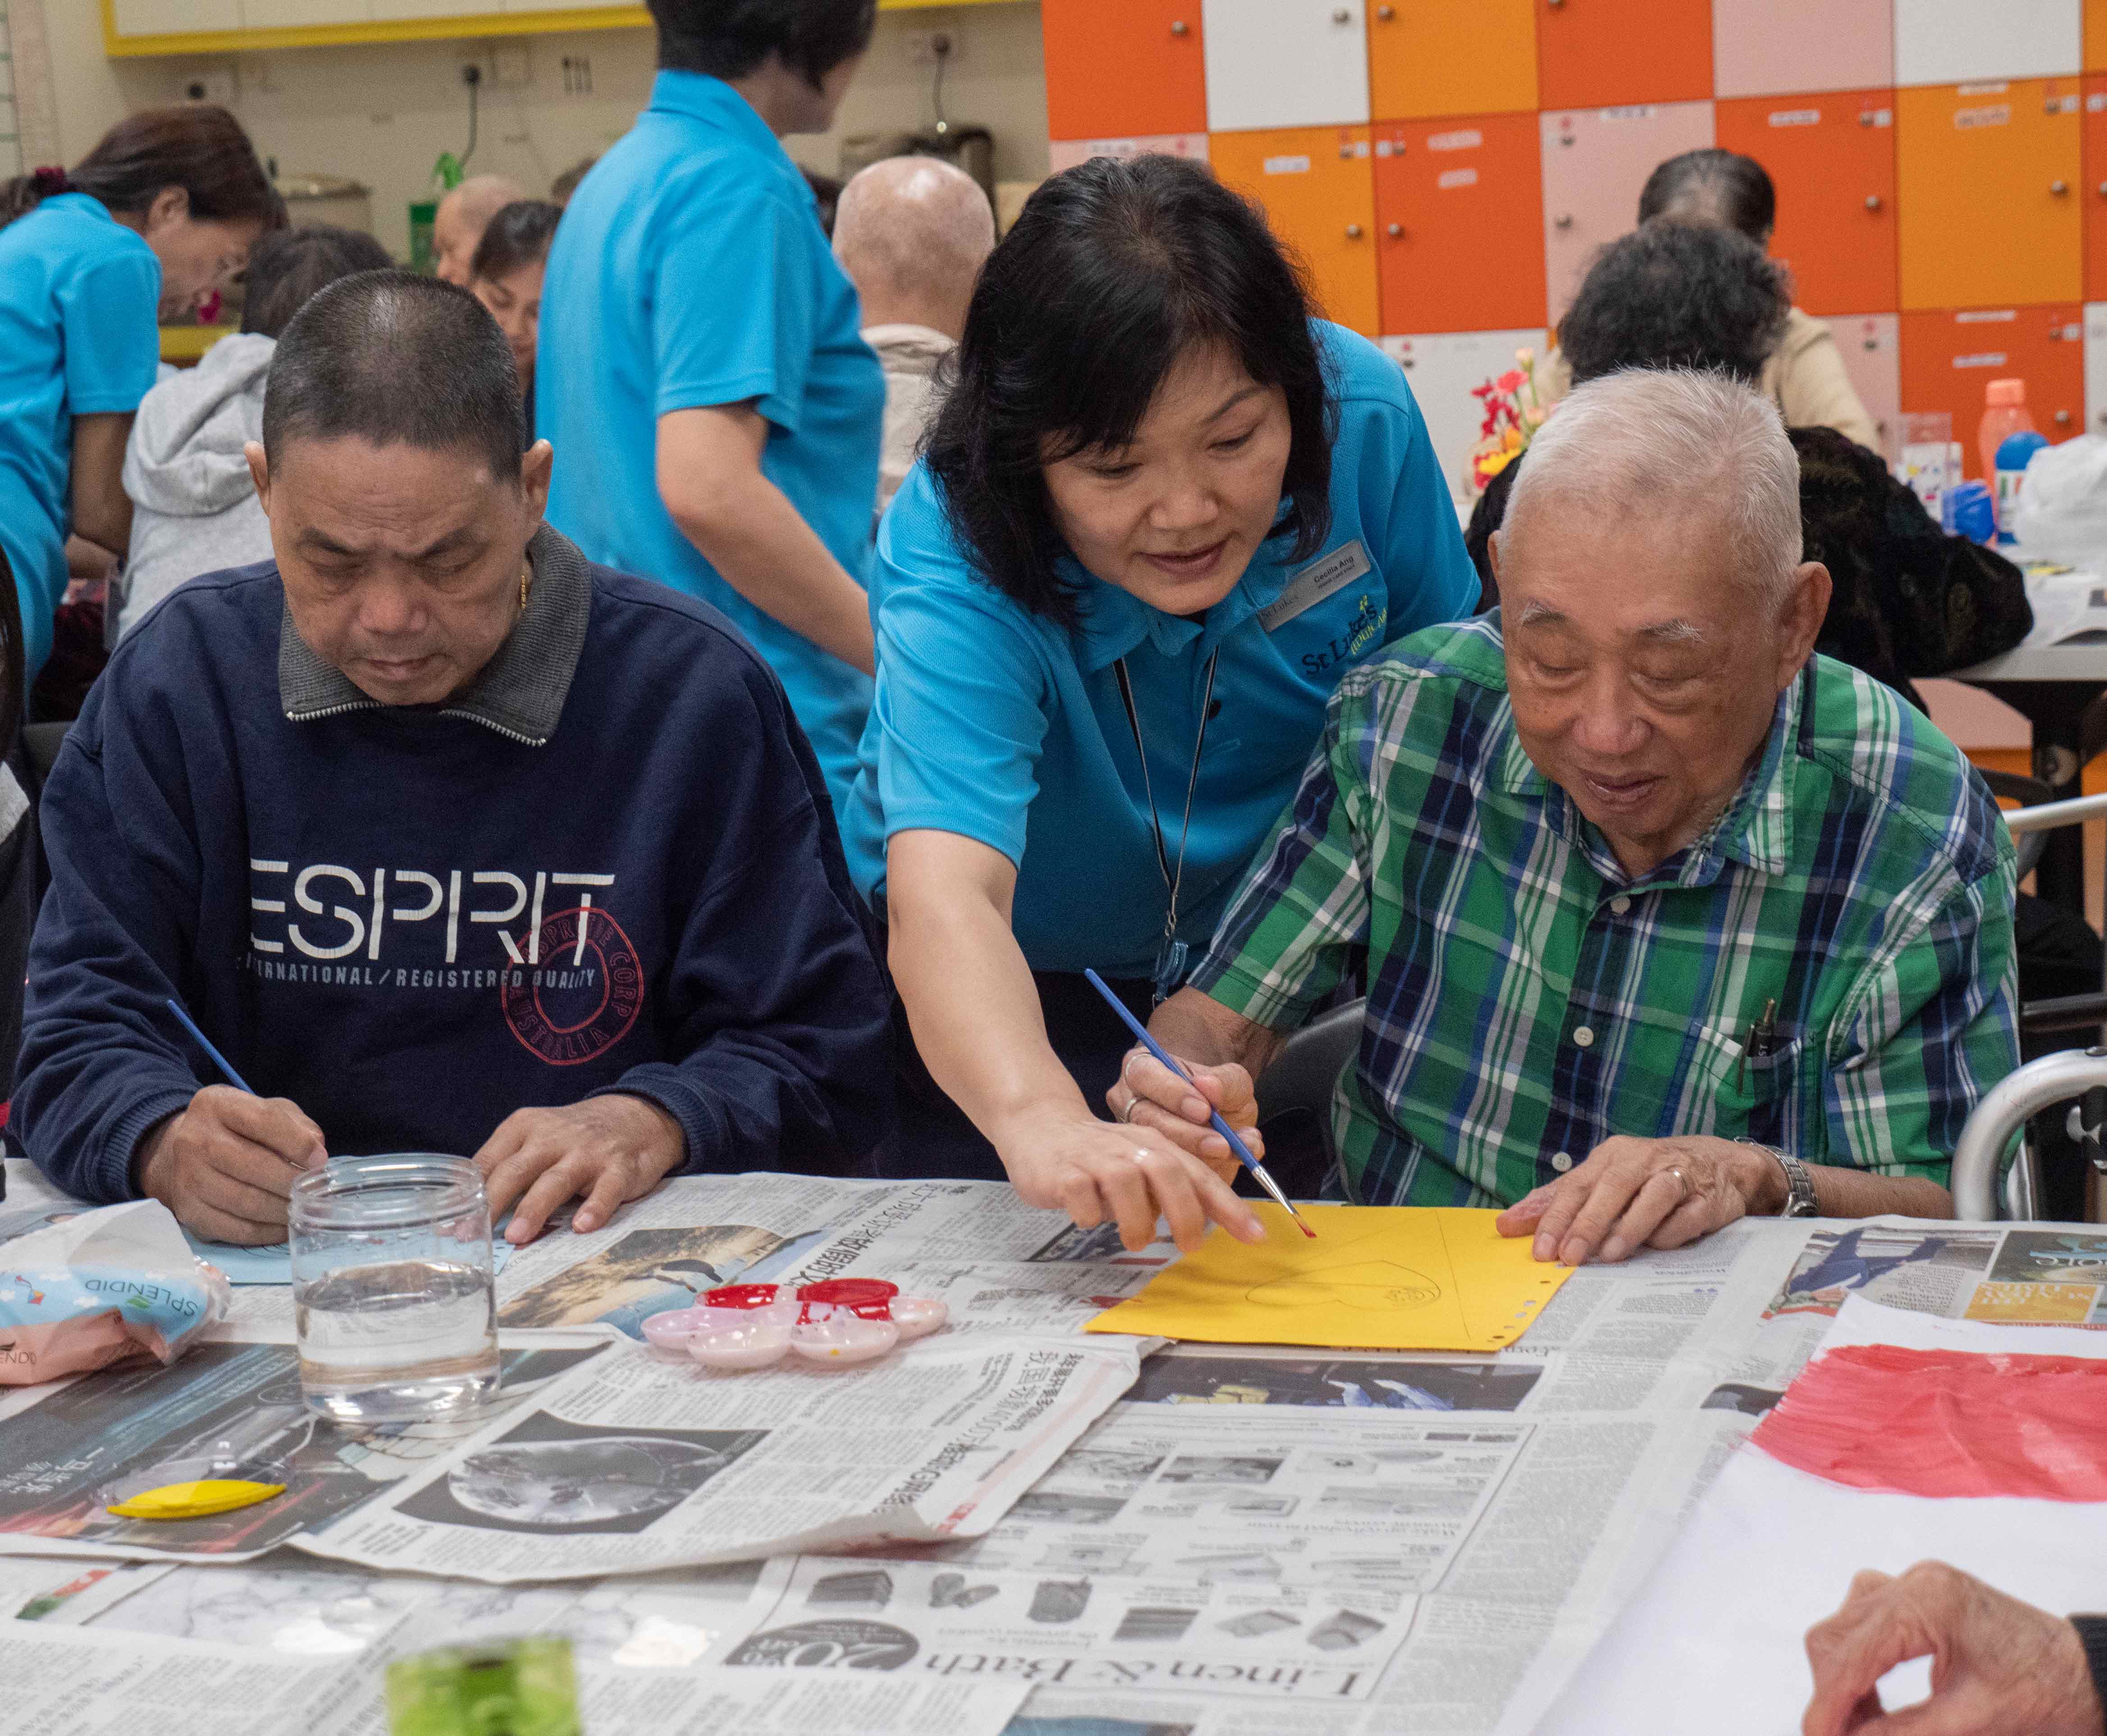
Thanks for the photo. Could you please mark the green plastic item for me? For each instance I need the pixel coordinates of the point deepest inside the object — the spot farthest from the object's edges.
(507, 1687)
(446, 175)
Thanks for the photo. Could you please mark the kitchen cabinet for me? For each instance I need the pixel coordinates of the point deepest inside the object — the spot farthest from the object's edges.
(1988, 191)
(1948, 357)
(1320, 196)
(1428, 57)
(1459, 222)
(158, 17)
(1596, 53)
(1119, 67)
(1832, 157)
(1595, 162)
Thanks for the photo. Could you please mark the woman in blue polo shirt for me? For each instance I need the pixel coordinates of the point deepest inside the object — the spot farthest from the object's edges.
(715, 414)
(154, 223)
(1162, 512)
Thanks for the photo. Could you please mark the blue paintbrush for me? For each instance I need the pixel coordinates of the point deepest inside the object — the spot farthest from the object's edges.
(204, 1042)
(1214, 1117)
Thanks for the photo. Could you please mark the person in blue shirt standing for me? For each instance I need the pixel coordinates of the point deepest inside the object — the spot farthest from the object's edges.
(154, 223)
(717, 418)
(1163, 511)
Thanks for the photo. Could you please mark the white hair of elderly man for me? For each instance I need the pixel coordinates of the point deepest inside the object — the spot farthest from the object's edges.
(913, 233)
(1650, 441)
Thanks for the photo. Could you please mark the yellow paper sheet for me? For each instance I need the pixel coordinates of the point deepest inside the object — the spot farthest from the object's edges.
(1374, 1278)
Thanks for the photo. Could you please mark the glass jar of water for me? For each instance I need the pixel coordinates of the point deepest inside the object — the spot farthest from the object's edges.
(392, 1290)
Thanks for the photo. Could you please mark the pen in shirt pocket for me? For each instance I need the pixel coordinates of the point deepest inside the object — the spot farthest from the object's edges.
(1761, 1043)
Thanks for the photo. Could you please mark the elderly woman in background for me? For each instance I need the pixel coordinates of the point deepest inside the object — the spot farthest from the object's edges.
(1803, 374)
(1909, 600)
(505, 276)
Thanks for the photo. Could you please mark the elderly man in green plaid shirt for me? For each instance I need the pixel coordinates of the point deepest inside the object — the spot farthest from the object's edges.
(1664, 920)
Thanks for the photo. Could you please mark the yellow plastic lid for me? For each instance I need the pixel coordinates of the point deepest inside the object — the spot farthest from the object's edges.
(195, 1500)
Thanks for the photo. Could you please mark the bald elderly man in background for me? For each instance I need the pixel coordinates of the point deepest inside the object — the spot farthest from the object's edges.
(460, 220)
(912, 233)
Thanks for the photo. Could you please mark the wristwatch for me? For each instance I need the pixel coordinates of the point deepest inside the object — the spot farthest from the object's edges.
(1799, 1200)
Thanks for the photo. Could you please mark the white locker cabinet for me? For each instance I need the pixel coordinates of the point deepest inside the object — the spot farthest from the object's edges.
(278, 14)
(1285, 63)
(1871, 345)
(1443, 369)
(172, 17)
(2095, 367)
(1959, 42)
(1595, 163)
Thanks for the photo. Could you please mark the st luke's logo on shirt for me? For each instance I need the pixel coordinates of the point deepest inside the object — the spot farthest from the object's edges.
(569, 983)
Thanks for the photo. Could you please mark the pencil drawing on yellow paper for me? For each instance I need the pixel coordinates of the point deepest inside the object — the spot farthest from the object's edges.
(1376, 1278)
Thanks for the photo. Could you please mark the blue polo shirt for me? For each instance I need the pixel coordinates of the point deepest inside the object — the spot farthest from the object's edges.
(80, 298)
(1001, 726)
(690, 271)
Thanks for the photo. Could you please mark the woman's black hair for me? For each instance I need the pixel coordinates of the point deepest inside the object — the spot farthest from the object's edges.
(1715, 186)
(1114, 271)
(518, 235)
(194, 146)
(729, 38)
(289, 266)
(1677, 295)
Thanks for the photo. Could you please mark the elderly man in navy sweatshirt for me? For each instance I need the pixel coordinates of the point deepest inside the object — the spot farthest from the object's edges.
(449, 839)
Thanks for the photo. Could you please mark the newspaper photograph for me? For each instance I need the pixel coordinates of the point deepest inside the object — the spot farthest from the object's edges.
(1348, 1380)
(644, 1464)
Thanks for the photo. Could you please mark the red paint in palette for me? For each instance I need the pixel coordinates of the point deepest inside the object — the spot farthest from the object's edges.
(1943, 1423)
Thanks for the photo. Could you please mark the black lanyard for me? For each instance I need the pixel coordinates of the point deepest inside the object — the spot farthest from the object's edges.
(1171, 958)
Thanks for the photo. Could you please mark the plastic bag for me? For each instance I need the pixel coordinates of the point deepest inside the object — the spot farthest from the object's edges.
(103, 1288)
(2061, 513)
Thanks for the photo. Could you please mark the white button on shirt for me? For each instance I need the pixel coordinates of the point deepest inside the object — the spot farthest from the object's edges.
(1584, 1037)
(1620, 904)
(1562, 1161)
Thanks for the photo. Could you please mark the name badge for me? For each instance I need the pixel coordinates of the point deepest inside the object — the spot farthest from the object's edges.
(1325, 576)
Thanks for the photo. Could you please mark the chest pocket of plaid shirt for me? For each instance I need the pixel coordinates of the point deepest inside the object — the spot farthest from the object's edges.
(1739, 1097)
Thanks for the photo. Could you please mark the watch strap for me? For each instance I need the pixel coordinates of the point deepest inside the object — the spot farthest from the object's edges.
(2092, 1635)
(1799, 1200)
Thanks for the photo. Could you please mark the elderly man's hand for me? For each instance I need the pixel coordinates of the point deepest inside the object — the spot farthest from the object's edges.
(1634, 1193)
(610, 1149)
(1148, 1094)
(1999, 1667)
(227, 1164)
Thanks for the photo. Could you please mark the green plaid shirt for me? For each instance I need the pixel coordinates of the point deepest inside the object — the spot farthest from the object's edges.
(1527, 1000)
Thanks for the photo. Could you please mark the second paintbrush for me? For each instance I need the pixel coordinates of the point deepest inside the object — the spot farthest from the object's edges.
(1214, 1117)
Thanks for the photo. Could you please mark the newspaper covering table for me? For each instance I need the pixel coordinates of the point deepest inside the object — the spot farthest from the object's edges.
(1248, 1542)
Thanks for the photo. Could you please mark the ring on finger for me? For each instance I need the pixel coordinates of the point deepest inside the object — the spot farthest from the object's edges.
(1681, 1182)
(1132, 1102)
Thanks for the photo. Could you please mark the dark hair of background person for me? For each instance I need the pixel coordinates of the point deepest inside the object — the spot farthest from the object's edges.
(826, 194)
(1713, 186)
(288, 266)
(195, 146)
(396, 358)
(1114, 271)
(1677, 295)
(567, 183)
(729, 38)
(518, 235)
(1667, 295)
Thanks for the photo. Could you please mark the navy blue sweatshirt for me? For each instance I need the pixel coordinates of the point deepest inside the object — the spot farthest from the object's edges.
(608, 865)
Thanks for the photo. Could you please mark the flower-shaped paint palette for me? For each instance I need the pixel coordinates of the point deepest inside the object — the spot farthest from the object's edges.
(836, 1322)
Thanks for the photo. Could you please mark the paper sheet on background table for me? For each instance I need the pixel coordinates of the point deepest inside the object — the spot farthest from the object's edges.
(1374, 1278)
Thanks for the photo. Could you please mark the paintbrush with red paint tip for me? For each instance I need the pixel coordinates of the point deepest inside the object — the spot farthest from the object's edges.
(1214, 1116)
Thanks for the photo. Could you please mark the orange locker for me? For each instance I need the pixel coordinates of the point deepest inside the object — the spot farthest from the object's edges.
(1452, 57)
(1459, 224)
(1833, 159)
(2093, 197)
(1594, 54)
(1988, 188)
(1118, 69)
(2096, 35)
(1948, 357)
(1319, 195)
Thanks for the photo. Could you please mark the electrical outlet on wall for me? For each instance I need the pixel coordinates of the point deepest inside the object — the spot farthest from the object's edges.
(214, 83)
(926, 47)
(511, 65)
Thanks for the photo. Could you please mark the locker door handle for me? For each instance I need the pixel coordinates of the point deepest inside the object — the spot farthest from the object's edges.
(1554, 2)
(2103, 190)
(1179, 27)
(2063, 419)
(1872, 201)
(1341, 15)
(1353, 231)
(1385, 13)
(1395, 231)
(1563, 222)
(2058, 187)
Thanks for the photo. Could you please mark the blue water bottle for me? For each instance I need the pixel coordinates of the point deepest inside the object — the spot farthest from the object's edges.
(2014, 451)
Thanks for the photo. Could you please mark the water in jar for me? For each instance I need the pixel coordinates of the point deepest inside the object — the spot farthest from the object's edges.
(402, 1341)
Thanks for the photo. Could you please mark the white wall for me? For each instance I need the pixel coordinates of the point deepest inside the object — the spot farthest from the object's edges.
(381, 114)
